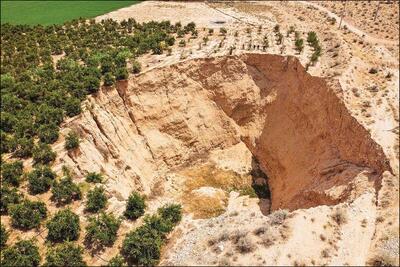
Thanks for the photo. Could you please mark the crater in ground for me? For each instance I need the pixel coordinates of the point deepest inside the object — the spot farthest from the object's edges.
(294, 125)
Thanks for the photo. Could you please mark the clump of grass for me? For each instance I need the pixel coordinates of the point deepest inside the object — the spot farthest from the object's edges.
(325, 253)
(237, 235)
(278, 217)
(260, 230)
(245, 245)
(340, 216)
(211, 176)
(203, 206)
(248, 191)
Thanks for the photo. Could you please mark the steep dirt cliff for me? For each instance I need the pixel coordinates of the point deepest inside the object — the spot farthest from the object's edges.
(294, 124)
(297, 127)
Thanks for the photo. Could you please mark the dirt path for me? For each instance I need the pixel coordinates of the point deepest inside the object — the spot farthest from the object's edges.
(367, 37)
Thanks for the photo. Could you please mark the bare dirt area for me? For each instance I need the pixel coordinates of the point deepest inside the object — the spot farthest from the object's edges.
(379, 18)
(276, 157)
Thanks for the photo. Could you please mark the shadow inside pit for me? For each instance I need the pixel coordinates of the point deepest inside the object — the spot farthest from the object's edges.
(260, 186)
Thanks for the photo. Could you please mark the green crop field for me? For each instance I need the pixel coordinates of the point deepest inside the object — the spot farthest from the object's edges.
(55, 12)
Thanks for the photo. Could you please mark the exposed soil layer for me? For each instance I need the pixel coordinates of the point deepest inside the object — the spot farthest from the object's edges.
(296, 126)
(305, 139)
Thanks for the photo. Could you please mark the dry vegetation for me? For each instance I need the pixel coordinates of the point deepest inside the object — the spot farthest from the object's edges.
(206, 189)
(362, 14)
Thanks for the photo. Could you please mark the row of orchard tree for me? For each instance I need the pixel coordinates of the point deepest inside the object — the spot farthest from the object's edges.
(46, 72)
(37, 93)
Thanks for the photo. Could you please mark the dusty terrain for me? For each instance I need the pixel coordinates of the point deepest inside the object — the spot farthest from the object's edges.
(198, 119)
(379, 18)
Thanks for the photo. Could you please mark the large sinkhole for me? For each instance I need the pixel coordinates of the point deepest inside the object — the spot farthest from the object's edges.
(294, 124)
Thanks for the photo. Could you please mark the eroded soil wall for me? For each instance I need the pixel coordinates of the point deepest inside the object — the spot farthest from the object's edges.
(304, 137)
(293, 123)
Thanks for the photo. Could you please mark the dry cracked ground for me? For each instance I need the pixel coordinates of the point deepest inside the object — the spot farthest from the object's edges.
(205, 122)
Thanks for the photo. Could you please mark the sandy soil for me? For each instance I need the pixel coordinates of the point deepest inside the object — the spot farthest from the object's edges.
(307, 236)
(378, 18)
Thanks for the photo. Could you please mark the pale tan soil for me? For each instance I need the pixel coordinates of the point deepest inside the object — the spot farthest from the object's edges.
(362, 14)
(144, 134)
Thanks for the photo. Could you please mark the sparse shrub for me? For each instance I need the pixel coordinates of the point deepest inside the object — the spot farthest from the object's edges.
(231, 50)
(108, 79)
(245, 245)
(279, 38)
(3, 236)
(28, 214)
(223, 31)
(340, 216)
(157, 49)
(172, 213)
(314, 58)
(182, 43)
(205, 40)
(291, 30)
(276, 28)
(223, 237)
(24, 147)
(248, 191)
(9, 196)
(312, 38)
(136, 68)
(65, 191)
(224, 262)
(373, 71)
(195, 34)
(71, 141)
(265, 42)
(72, 106)
(66, 254)
(325, 253)
(267, 240)
(93, 177)
(43, 154)
(210, 31)
(8, 143)
(159, 224)
(388, 75)
(116, 261)
(180, 33)
(48, 133)
(102, 230)
(11, 172)
(40, 179)
(383, 259)
(142, 246)
(135, 206)
(260, 230)
(23, 253)
(299, 45)
(322, 237)
(278, 217)
(64, 226)
(121, 74)
(92, 84)
(96, 200)
(237, 235)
